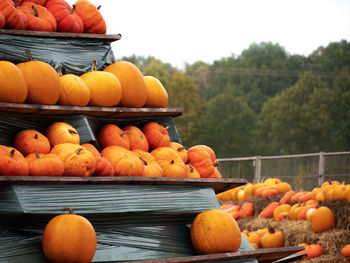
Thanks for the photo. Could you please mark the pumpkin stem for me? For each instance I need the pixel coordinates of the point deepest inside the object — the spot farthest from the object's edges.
(180, 149)
(36, 13)
(68, 209)
(113, 60)
(99, 7)
(78, 150)
(71, 131)
(144, 161)
(191, 168)
(172, 161)
(12, 153)
(59, 73)
(37, 155)
(271, 230)
(93, 65)
(36, 136)
(216, 164)
(123, 133)
(73, 9)
(29, 55)
(166, 128)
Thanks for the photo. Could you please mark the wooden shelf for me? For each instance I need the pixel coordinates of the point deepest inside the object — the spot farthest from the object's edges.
(219, 185)
(95, 111)
(82, 36)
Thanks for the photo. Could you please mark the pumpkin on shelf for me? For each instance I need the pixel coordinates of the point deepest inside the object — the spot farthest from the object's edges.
(151, 167)
(28, 141)
(12, 162)
(66, 16)
(170, 161)
(41, 164)
(111, 135)
(132, 82)
(157, 135)
(191, 171)
(2, 20)
(76, 159)
(38, 2)
(103, 167)
(69, 238)
(62, 132)
(137, 138)
(180, 149)
(105, 89)
(215, 231)
(74, 91)
(13, 87)
(199, 157)
(90, 15)
(38, 17)
(15, 18)
(157, 96)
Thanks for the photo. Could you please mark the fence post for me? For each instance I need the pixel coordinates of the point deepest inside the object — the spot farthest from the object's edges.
(257, 169)
(321, 166)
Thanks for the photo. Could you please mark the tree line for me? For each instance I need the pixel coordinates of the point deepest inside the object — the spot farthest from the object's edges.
(263, 101)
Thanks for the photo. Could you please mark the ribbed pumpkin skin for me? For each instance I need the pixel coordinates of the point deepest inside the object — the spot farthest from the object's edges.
(151, 167)
(69, 238)
(43, 82)
(91, 16)
(137, 138)
(38, 2)
(157, 135)
(157, 96)
(12, 162)
(124, 162)
(200, 158)
(170, 161)
(192, 171)
(180, 149)
(28, 141)
(13, 87)
(46, 165)
(74, 91)
(62, 132)
(215, 231)
(15, 18)
(111, 135)
(2, 20)
(134, 92)
(105, 88)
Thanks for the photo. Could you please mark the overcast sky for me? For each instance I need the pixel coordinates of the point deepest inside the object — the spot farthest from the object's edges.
(183, 31)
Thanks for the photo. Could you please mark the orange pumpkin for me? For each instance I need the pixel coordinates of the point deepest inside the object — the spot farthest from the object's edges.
(13, 87)
(247, 210)
(91, 17)
(151, 167)
(156, 134)
(42, 80)
(345, 251)
(103, 167)
(216, 174)
(38, 2)
(181, 150)
(76, 159)
(69, 238)
(28, 141)
(157, 95)
(39, 18)
(322, 219)
(12, 162)
(286, 198)
(211, 153)
(215, 231)
(74, 91)
(92, 149)
(268, 210)
(2, 20)
(191, 171)
(44, 164)
(124, 162)
(137, 138)
(170, 161)
(15, 18)
(134, 92)
(62, 132)
(111, 135)
(283, 187)
(280, 209)
(200, 159)
(272, 239)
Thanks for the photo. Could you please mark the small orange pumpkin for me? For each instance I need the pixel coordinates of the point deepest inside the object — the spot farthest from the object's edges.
(170, 161)
(191, 171)
(137, 138)
(199, 157)
(157, 96)
(345, 251)
(91, 16)
(62, 132)
(322, 219)
(180, 149)
(156, 134)
(15, 18)
(103, 167)
(44, 164)
(111, 135)
(268, 210)
(286, 198)
(272, 239)
(151, 167)
(69, 238)
(28, 141)
(74, 91)
(2, 20)
(247, 210)
(12, 162)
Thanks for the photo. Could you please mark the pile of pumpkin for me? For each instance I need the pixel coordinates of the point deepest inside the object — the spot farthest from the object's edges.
(52, 16)
(130, 151)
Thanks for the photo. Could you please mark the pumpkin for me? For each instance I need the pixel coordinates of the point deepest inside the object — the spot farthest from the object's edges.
(76, 159)
(13, 87)
(345, 251)
(62, 132)
(90, 15)
(28, 141)
(151, 167)
(38, 17)
(283, 187)
(211, 153)
(15, 18)
(74, 91)
(137, 138)
(38, 2)
(215, 231)
(92, 149)
(103, 167)
(124, 162)
(42, 80)
(157, 95)
(111, 135)
(105, 89)
(254, 238)
(268, 210)
(12, 162)
(170, 161)
(247, 210)
(303, 213)
(286, 197)
(2, 20)
(322, 219)
(69, 238)
(272, 181)
(191, 171)
(44, 164)
(272, 239)
(216, 174)
(132, 82)
(200, 159)
(156, 134)
(280, 209)
(66, 17)
(180, 150)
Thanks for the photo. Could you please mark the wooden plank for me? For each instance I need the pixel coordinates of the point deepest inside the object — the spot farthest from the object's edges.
(262, 255)
(95, 111)
(219, 185)
(102, 37)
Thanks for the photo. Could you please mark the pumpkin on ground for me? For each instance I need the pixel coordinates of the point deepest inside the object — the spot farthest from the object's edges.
(28, 141)
(69, 238)
(103, 167)
(76, 159)
(215, 231)
(13, 87)
(247, 210)
(151, 167)
(74, 91)
(137, 138)
(345, 251)
(90, 15)
(12, 162)
(180, 149)
(124, 162)
(15, 18)
(156, 134)
(111, 135)
(157, 95)
(272, 239)
(133, 85)
(199, 157)
(42, 80)
(62, 132)
(44, 164)
(170, 161)
(322, 219)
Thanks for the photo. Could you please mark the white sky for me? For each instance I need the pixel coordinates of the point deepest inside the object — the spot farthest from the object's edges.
(191, 30)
